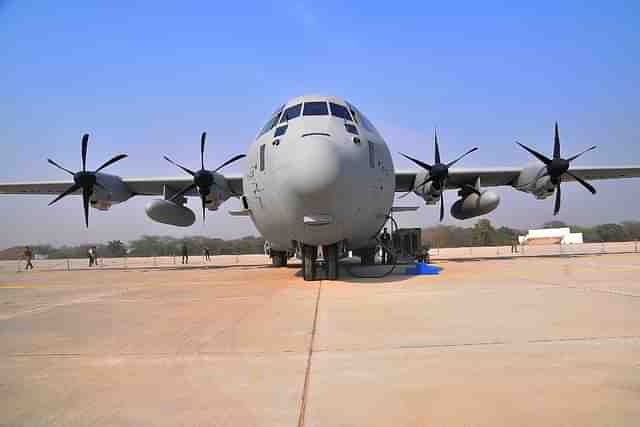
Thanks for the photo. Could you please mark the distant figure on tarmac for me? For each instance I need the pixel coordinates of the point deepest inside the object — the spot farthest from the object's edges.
(28, 256)
(385, 238)
(185, 254)
(90, 255)
(95, 256)
(206, 254)
(514, 245)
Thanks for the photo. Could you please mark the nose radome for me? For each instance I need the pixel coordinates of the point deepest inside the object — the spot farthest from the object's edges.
(315, 166)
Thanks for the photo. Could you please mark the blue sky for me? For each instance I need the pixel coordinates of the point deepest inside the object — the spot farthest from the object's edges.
(146, 78)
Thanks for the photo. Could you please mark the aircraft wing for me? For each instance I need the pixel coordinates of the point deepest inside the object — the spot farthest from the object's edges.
(495, 177)
(137, 186)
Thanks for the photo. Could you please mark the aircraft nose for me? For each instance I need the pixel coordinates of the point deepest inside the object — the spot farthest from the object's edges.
(315, 166)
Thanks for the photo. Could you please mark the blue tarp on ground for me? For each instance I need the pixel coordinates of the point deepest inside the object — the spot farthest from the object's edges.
(422, 268)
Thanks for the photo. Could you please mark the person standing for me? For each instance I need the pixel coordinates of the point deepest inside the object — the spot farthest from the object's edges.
(95, 256)
(90, 255)
(514, 245)
(185, 253)
(385, 238)
(28, 256)
(207, 254)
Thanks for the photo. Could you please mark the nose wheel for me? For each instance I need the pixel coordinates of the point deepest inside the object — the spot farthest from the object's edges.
(330, 253)
(309, 256)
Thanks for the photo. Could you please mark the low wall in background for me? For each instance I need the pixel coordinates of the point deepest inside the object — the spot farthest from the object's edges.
(257, 260)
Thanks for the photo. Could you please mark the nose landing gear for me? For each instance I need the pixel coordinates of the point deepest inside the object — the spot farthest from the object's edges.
(310, 255)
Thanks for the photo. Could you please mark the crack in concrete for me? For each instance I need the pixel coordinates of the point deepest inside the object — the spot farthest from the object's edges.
(307, 373)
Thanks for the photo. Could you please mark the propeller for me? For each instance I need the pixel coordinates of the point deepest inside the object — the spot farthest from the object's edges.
(557, 166)
(84, 180)
(203, 179)
(439, 173)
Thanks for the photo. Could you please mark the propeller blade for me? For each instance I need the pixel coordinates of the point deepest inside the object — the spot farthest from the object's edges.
(202, 142)
(231, 160)
(416, 161)
(441, 206)
(68, 191)
(202, 197)
(435, 138)
(544, 159)
(182, 192)
(570, 159)
(85, 141)
(461, 157)
(426, 181)
(556, 207)
(86, 193)
(59, 167)
(556, 143)
(584, 183)
(112, 161)
(190, 172)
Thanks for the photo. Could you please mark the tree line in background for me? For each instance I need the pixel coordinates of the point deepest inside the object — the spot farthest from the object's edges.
(146, 246)
(483, 233)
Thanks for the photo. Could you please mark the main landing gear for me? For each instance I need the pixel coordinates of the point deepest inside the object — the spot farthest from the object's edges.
(279, 258)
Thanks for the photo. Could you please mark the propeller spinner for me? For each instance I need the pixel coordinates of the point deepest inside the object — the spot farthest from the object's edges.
(439, 173)
(84, 180)
(203, 179)
(557, 166)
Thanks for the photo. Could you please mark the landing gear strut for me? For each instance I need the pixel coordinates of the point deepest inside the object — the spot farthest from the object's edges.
(330, 253)
(309, 255)
(279, 258)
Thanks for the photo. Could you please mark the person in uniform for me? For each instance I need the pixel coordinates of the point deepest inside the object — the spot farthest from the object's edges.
(28, 256)
(385, 238)
(90, 255)
(207, 254)
(185, 254)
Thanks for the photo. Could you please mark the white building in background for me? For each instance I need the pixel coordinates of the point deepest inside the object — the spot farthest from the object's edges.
(550, 236)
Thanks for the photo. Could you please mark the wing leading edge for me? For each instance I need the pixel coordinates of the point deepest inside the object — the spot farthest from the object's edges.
(497, 177)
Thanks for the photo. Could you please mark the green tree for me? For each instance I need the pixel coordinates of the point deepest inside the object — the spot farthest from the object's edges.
(116, 248)
(483, 233)
(611, 233)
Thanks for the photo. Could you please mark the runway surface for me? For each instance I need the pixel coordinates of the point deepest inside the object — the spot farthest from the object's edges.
(531, 341)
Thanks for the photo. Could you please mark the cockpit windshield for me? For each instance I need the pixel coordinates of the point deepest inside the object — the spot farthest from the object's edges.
(271, 123)
(338, 110)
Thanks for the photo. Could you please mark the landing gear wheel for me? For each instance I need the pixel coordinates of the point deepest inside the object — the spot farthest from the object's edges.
(278, 258)
(309, 255)
(368, 256)
(331, 259)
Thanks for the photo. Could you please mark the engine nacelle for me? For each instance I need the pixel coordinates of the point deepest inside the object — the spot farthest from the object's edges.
(170, 213)
(429, 194)
(101, 205)
(534, 180)
(543, 188)
(474, 205)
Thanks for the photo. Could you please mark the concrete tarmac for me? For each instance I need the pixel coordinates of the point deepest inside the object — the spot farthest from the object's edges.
(535, 341)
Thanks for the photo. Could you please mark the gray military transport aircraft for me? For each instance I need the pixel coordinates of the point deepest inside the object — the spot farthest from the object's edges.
(320, 174)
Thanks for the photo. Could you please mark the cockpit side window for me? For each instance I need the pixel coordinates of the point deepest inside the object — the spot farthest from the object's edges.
(338, 110)
(363, 120)
(291, 113)
(271, 123)
(315, 109)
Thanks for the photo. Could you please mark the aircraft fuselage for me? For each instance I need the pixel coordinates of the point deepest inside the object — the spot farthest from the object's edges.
(326, 179)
